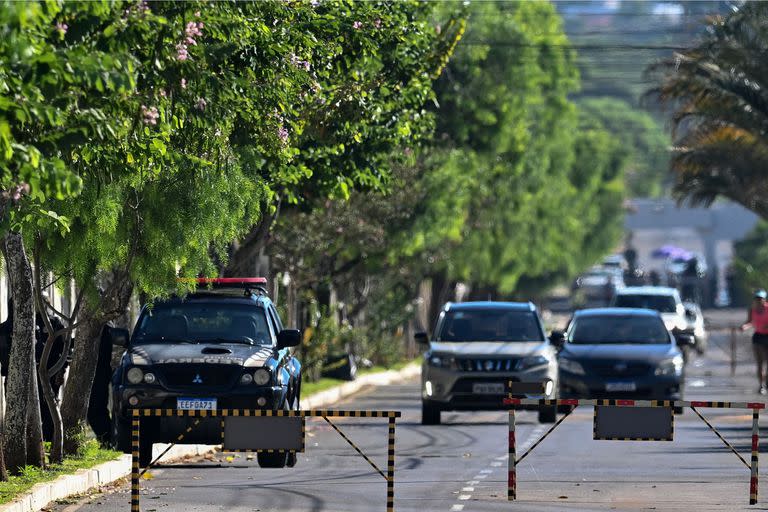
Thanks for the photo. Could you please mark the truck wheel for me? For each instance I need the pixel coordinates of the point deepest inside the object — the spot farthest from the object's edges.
(145, 451)
(121, 435)
(274, 460)
(430, 415)
(547, 414)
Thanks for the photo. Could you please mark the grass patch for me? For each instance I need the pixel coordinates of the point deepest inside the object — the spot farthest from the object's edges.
(92, 455)
(310, 388)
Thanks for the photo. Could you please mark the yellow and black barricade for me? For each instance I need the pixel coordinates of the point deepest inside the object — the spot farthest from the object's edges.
(138, 414)
(665, 424)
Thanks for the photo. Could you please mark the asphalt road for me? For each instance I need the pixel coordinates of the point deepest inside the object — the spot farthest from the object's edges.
(461, 465)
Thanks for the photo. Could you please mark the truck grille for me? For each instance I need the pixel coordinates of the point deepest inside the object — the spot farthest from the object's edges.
(486, 364)
(200, 376)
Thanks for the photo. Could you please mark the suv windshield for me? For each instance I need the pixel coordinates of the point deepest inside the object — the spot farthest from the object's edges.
(203, 322)
(594, 330)
(660, 303)
(490, 325)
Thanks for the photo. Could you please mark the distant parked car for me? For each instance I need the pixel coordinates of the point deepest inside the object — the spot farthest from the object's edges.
(476, 349)
(695, 319)
(600, 284)
(619, 353)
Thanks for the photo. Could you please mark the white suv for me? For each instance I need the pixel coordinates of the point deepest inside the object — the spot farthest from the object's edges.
(663, 299)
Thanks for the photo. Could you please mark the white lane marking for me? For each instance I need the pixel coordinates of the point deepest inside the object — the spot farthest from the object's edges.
(457, 507)
(505, 457)
(467, 489)
(478, 477)
(473, 482)
(496, 464)
(486, 471)
(465, 497)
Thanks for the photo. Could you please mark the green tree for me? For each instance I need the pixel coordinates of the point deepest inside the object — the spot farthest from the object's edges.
(717, 94)
(641, 138)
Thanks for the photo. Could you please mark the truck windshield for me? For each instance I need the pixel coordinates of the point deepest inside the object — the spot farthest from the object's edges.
(491, 325)
(184, 322)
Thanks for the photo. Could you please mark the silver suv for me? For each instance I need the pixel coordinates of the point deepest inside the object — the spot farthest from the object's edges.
(476, 349)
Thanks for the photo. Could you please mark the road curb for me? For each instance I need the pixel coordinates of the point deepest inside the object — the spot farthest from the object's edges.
(85, 480)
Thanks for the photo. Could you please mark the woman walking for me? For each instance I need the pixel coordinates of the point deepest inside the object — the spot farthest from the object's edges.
(758, 319)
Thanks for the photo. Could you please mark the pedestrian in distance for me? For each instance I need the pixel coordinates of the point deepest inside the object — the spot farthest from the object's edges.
(757, 318)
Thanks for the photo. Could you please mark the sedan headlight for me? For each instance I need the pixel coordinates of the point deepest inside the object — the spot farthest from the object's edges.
(571, 366)
(440, 361)
(670, 367)
(135, 375)
(261, 376)
(531, 362)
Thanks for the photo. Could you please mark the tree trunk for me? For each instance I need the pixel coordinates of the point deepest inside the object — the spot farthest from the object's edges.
(77, 392)
(35, 447)
(21, 369)
(3, 470)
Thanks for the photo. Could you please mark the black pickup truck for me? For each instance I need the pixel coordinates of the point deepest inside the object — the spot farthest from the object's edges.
(221, 347)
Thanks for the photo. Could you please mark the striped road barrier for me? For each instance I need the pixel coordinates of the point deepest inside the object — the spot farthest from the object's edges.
(661, 428)
(298, 446)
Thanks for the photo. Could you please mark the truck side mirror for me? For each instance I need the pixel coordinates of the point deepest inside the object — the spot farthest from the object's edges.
(288, 338)
(120, 337)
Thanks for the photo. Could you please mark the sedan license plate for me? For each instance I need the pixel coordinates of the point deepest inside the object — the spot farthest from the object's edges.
(620, 386)
(196, 404)
(488, 388)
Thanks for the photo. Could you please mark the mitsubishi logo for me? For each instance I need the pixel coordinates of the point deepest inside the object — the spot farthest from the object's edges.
(197, 380)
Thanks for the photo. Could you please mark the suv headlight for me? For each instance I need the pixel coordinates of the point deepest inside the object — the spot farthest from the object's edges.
(261, 377)
(440, 361)
(670, 367)
(135, 375)
(571, 366)
(531, 362)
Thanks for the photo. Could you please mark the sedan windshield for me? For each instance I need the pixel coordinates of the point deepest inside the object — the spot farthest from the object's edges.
(491, 325)
(603, 329)
(203, 323)
(660, 303)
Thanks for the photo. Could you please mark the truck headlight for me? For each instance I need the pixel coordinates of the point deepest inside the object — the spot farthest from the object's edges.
(135, 375)
(670, 367)
(440, 361)
(261, 376)
(571, 366)
(247, 378)
(150, 378)
(531, 362)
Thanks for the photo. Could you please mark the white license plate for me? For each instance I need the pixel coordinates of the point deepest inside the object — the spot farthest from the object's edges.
(196, 404)
(620, 386)
(483, 388)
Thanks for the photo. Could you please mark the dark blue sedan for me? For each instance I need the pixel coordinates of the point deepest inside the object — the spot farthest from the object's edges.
(619, 353)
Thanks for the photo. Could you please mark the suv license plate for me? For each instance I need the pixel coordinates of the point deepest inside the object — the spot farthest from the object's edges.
(491, 388)
(620, 386)
(196, 404)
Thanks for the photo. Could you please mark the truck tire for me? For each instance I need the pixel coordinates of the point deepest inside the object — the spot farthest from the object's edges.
(430, 415)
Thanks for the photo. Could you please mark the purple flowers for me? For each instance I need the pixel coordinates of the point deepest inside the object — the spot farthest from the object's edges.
(377, 23)
(149, 115)
(299, 63)
(201, 104)
(183, 83)
(182, 53)
(194, 29)
(62, 27)
(357, 25)
(282, 133)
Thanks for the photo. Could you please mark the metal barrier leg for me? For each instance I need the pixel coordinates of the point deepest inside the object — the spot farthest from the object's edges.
(391, 467)
(755, 451)
(135, 433)
(512, 476)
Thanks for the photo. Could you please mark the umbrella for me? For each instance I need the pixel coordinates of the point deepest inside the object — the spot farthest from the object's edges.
(665, 251)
